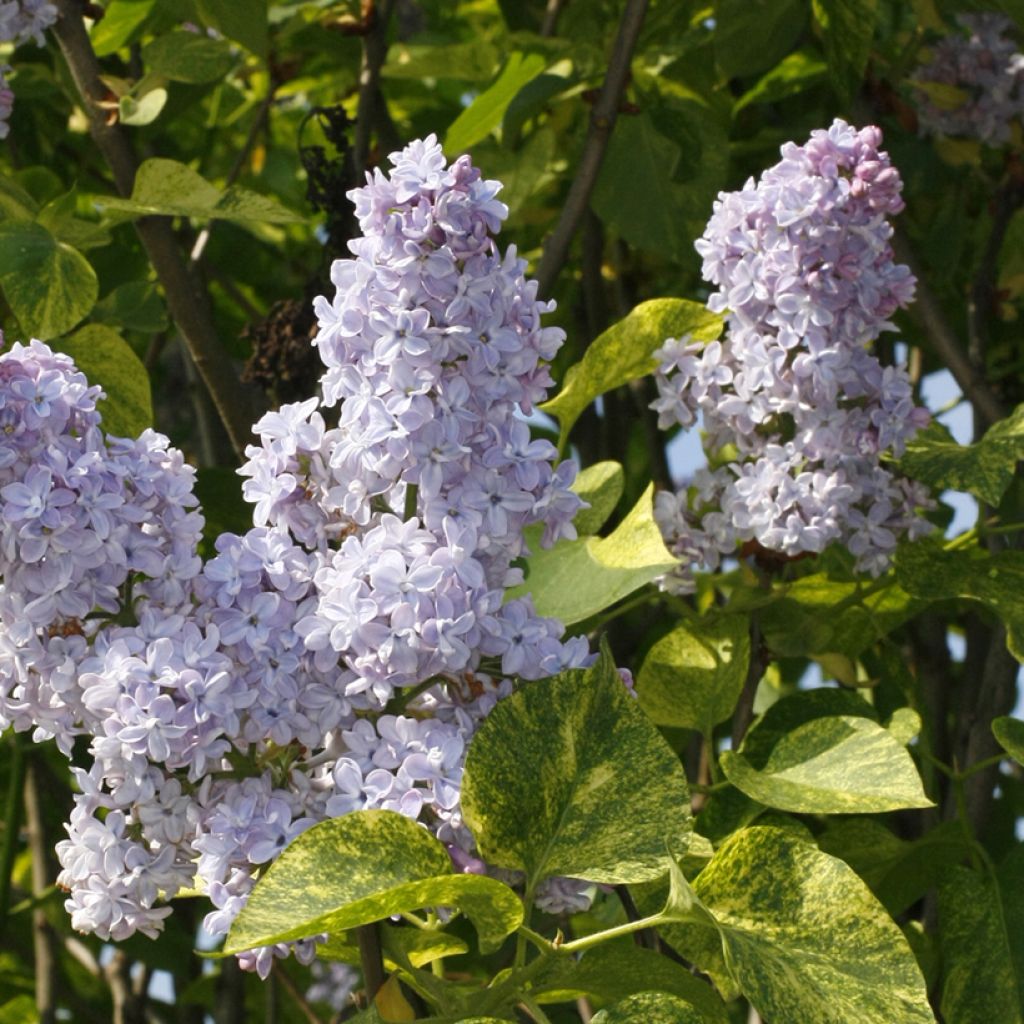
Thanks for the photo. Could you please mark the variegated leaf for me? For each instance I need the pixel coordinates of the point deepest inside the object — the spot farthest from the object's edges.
(837, 765)
(569, 777)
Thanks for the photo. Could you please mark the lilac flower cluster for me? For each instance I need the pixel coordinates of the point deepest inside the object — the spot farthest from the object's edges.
(20, 20)
(798, 412)
(973, 84)
(340, 654)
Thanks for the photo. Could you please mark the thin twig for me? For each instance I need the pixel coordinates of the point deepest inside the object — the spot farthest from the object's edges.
(551, 13)
(188, 308)
(300, 1000)
(602, 121)
(262, 112)
(946, 344)
(42, 934)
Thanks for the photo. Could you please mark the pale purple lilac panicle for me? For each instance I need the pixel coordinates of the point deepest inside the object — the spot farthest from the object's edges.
(804, 272)
(973, 84)
(20, 20)
(340, 654)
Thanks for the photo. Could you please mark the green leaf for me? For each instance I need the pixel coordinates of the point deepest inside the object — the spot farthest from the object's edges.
(816, 615)
(787, 714)
(802, 935)
(121, 24)
(624, 352)
(848, 27)
(579, 578)
(15, 202)
(600, 486)
(245, 23)
(108, 360)
(60, 217)
(142, 110)
(1010, 734)
(898, 871)
(985, 468)
(636, 192)
(980, 984)
(753, 35)
(617, 970)
(49, 285)
(184, 56)
(398, 944)
(135, 306)
(19, 1010)
(464, 62)
(835, 765)
(169, 188)
(994, 579)
(693, 676)
(1010, 879)
(364, 867)
(225, 510)
(649, 1008)
(790, 76)
(484, 114)
(581, 735)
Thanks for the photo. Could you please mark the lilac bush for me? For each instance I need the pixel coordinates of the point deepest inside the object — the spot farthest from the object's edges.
(799, 415)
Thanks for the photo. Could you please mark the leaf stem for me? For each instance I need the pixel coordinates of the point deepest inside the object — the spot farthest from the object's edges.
(371, 958)
(535, 1011)
(618, 931)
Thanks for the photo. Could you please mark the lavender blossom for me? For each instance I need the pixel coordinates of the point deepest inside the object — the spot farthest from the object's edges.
(804, 271)
(973, 84)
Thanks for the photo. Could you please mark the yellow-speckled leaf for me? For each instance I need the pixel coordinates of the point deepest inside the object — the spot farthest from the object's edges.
(979, 985)
(898, 871)
(985, 468)
(49, 285)
(1010, 734)
(398, 944)
(693, 676)
(836, 765)
(649, 1008)
(172, 189)
(995, 579)
(363, 867)
(579, 578)
(625, 352)
(569, 777)
(619, 969)
(803, 936)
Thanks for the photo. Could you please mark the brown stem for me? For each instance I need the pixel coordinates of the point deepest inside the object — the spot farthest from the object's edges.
(43, 939)
(602, 121)
(371, 109)
(189, 310)
(944, 341)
